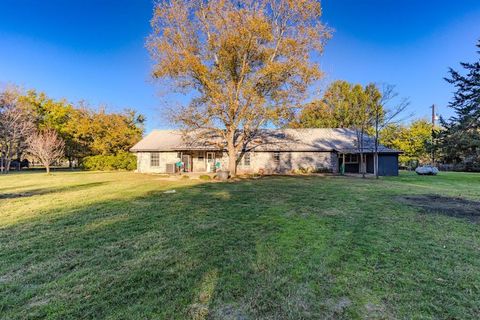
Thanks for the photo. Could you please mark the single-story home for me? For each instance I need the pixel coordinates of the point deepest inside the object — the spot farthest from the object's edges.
(272, 151)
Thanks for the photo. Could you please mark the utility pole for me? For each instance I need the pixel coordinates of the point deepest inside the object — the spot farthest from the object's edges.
(433, 134)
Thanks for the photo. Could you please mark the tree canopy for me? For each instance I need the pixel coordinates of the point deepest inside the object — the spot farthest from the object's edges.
(413, 139)
(342, 105)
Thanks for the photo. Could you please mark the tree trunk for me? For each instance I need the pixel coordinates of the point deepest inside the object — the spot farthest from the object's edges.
(232, 161)
(375, 156)
(7, 165)
(47, 167)
(232, 153)
(362, 165)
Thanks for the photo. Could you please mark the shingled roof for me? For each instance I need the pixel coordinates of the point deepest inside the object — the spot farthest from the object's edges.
(337, 139)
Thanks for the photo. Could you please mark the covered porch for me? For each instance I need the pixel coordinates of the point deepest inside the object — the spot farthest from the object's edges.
(387, 163)
(199, 161)
(353, 162)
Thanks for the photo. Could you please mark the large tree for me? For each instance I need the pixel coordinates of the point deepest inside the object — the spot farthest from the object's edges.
(114, 132)
(244, 63)
(54, 114)
(16, 124)
(461, 139)
(335, 109)
(366, 108)
(346, 105)
(414, 139)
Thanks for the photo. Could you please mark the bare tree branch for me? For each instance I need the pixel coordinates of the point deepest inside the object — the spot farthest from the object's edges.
(46, 147)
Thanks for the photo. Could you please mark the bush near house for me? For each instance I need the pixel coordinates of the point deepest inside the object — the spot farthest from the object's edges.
(120, 161)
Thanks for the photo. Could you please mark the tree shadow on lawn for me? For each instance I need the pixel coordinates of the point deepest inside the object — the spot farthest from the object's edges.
(220, 250)
(449, 206)
(206, 248)
(44, 191)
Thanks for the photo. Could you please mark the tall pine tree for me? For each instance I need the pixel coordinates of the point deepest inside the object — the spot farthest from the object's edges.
(461, 139)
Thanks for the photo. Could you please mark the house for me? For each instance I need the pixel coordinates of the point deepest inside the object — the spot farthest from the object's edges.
(272, 151)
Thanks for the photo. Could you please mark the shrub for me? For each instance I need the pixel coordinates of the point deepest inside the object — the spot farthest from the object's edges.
(120, 161)
(323, 170)
(205, 177)
(309, 170)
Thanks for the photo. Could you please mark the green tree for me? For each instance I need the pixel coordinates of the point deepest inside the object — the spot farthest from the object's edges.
(346, 105)
(55, 115)
(247, 63)
(366, 109)
(460, 141)
(334, 110)
(104, 133)
(111, 133)
(413, 139)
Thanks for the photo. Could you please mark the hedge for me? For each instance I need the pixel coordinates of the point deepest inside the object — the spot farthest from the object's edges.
(120, 161)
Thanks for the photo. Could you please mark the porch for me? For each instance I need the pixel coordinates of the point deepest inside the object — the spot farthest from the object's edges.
(198, 161)
(387, 163)
(352, 162)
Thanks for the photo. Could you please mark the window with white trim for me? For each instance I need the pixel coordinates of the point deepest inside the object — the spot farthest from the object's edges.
(154, 159)
(351, 158)
(246, 159)
(276, 157)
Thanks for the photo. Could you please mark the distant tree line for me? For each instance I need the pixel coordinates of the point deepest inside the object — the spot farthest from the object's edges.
(45, 129)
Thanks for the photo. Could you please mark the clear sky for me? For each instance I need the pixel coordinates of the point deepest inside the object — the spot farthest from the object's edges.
(94, 50)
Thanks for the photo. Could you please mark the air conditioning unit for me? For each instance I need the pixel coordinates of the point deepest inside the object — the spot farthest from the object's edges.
(170, 168)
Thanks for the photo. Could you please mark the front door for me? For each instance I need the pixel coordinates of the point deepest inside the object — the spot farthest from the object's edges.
(186, 162)
(210, 161)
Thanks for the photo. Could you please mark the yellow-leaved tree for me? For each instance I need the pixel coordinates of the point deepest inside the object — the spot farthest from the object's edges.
(246, 64)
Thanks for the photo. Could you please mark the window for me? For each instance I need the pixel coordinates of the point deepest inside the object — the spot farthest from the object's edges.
(210, 157)
(201, 156)
(154, 159)
(246, 159)
(351, 158)
(179, 155)
(276, 157)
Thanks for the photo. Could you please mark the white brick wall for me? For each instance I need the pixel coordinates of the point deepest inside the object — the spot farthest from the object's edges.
(288, 161)
(143, 162)
(259, 161)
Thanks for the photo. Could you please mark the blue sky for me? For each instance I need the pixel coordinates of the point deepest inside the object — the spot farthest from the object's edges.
(94, 50)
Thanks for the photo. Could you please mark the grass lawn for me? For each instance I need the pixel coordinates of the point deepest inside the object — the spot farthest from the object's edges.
(113, 245)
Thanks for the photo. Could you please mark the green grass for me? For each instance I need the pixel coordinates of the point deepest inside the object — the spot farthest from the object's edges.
(115, 246)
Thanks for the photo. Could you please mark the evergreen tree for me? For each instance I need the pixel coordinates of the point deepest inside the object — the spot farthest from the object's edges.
(461, 139)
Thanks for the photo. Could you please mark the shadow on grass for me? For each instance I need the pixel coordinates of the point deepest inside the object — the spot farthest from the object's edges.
(204, 250)
(449, 206)
(246, 250)
(44, 191)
